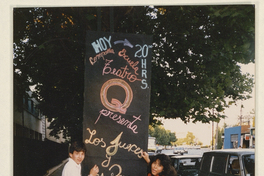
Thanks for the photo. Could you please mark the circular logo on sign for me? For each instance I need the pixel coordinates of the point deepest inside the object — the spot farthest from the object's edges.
(116, 105)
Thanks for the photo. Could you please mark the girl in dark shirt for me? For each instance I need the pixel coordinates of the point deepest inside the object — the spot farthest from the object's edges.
(159, 165)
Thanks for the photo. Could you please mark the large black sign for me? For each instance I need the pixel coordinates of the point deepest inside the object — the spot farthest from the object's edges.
(116, 102)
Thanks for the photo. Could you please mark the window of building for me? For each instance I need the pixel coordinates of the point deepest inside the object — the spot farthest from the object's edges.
(32, 106)
(234, 140)
(38, 136)
(32, 134)
(25, 102)
(234, 137)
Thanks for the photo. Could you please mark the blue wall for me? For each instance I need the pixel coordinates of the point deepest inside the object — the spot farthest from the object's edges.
(228, 132)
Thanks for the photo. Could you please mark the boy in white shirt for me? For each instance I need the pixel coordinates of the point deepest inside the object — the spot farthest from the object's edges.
(73, 166)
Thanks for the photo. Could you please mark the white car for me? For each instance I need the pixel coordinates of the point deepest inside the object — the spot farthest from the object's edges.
(179, 150)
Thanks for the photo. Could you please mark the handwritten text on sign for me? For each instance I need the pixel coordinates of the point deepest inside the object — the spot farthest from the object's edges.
(122, 63)
(103, 45)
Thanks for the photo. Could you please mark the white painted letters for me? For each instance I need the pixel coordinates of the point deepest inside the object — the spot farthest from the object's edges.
(144, 73)
(101, 44)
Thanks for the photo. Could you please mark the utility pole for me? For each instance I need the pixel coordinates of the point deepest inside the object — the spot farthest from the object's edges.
(213, 133)
(216, 136)
(240, 118)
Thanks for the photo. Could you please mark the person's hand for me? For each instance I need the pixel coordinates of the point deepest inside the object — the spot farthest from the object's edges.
(94, 171)
(145, 155)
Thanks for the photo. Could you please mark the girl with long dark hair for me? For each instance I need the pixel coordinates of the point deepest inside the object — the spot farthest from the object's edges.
(159, 165)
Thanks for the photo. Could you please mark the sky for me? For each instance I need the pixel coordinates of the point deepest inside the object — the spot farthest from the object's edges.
(204, 131)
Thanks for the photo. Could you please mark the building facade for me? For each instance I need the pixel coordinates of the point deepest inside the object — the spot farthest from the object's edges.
(239, 137)
(33, 147)
(29, 122)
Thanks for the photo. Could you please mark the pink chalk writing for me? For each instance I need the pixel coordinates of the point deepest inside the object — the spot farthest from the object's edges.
(118, 118)
(131, 63)
(121, 72)
(93, 60)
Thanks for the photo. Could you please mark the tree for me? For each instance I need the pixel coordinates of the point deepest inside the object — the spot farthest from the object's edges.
(163, 137)
(219, 140)
(220, 132)
(199, 143)
(196, 50)
(188, 140)
(198, 58)
(172, 137)
(180, 141)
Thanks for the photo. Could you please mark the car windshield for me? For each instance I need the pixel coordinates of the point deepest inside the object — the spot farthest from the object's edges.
(249, 163)
(187, 163)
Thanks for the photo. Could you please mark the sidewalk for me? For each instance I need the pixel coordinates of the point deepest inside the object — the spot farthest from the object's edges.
(57, 170)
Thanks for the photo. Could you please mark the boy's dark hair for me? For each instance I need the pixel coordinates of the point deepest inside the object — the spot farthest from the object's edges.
(77, 146)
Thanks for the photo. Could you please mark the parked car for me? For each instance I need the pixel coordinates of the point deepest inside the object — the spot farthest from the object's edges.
(151, 153)
(228, 162)
(180, 150)
(169, 152)
(186, 165)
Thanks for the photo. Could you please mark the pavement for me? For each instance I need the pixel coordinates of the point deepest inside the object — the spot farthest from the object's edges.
(57, 170)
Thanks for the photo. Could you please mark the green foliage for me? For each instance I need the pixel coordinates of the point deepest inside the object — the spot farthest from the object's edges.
(199, 143)
(219, 140)
(220, 132)
(196, 51)
(196, 56)
(188, 140)
(163, 137)
(180, 141)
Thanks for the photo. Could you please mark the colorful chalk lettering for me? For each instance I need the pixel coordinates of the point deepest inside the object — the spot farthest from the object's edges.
(101, 44)
(125, 42)
(113, 148)
(116, 102)
(119, 120)
(93, 60)
(122, 72)
(130, 62)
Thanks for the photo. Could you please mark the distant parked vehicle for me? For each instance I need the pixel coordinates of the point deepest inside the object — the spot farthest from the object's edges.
(151, 154)
(151, 144)
(186, 165)
(168, 152)
(228, 162)
(180, 150)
